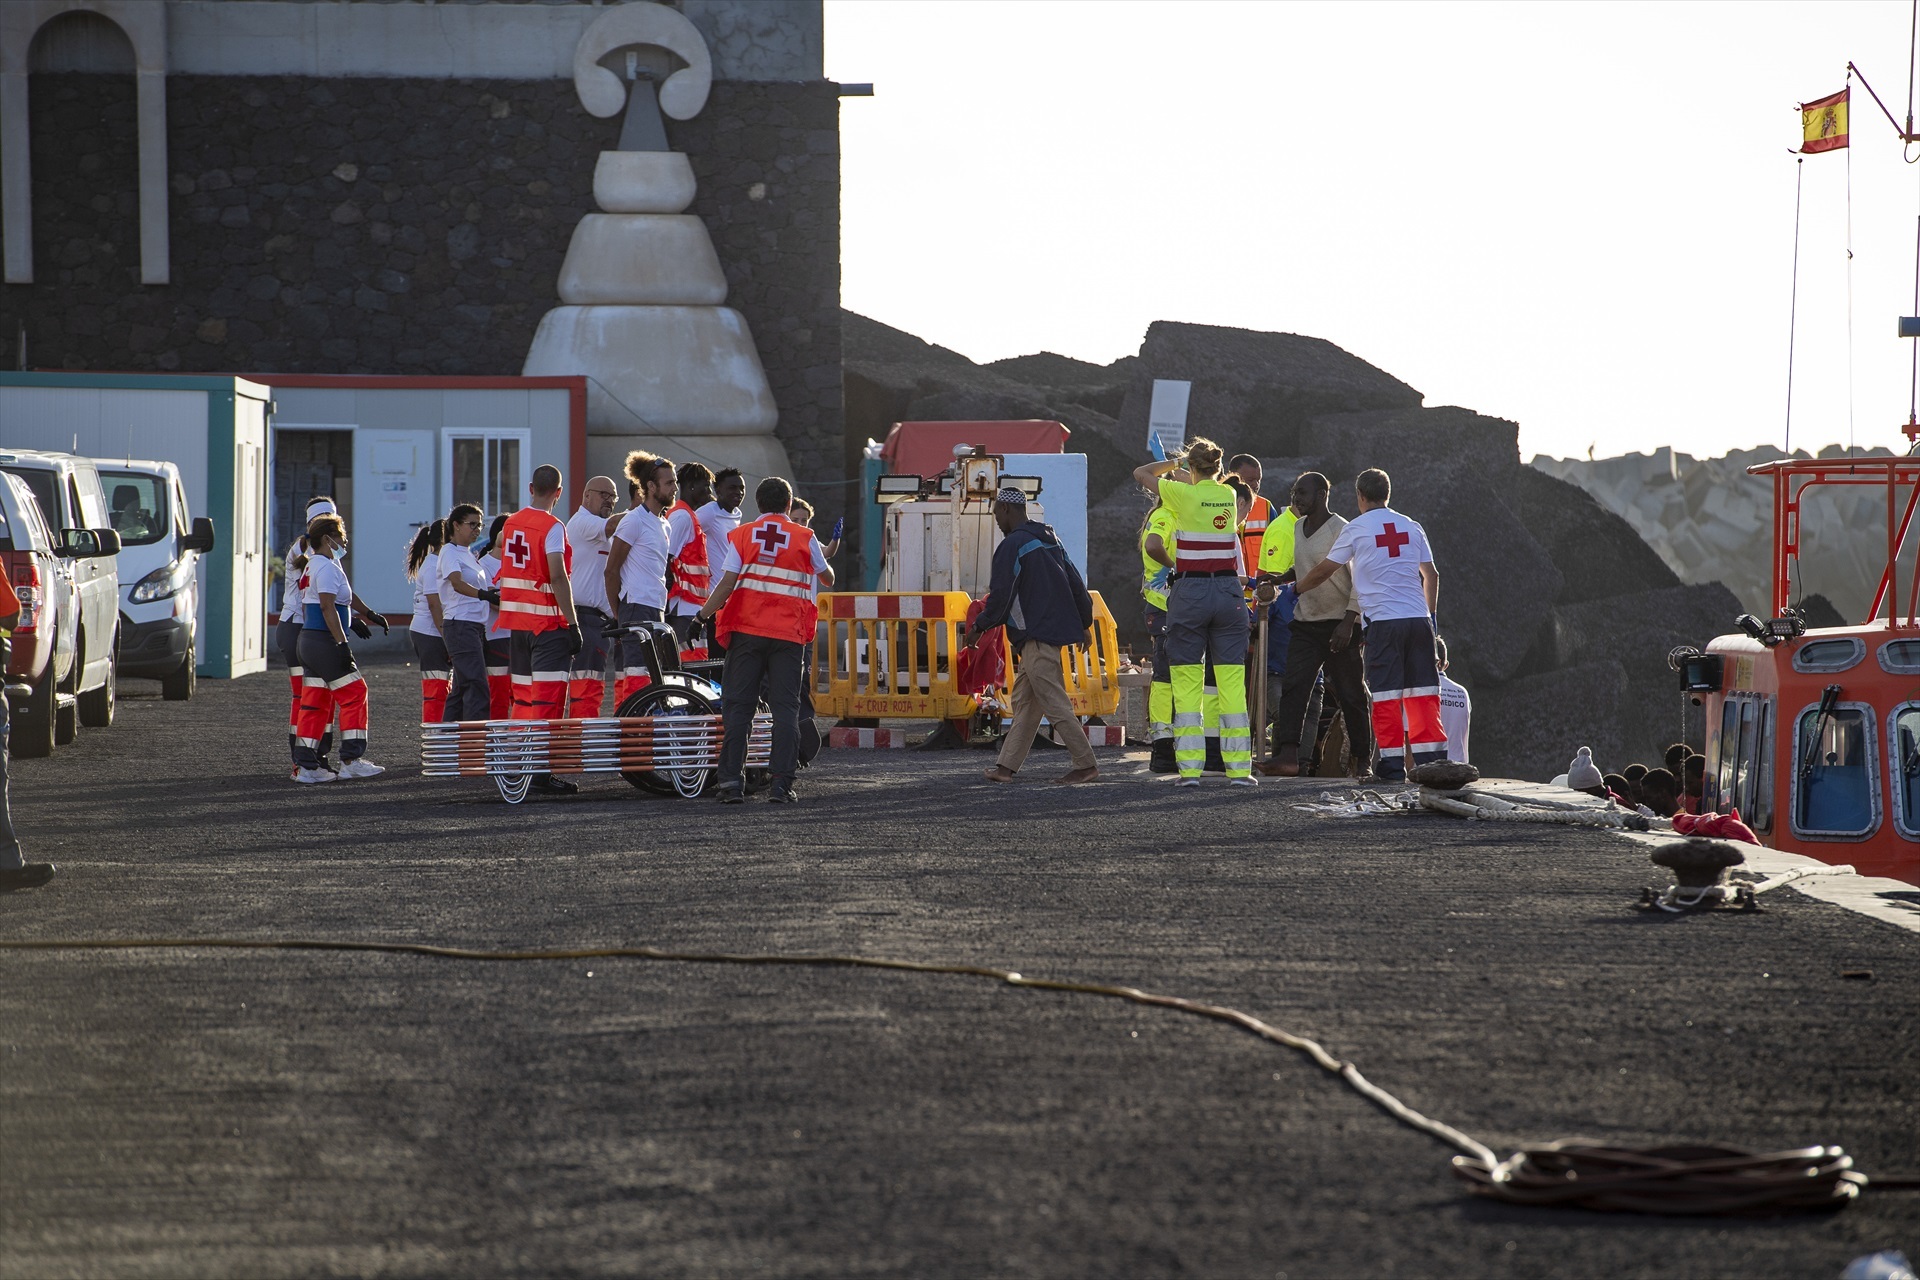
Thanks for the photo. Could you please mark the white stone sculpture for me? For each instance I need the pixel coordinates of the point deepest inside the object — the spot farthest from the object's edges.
(671, 369)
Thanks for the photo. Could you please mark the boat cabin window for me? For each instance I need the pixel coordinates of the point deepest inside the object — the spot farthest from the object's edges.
(1740, 777)
(1825, 656)
(1835, 791)
(1903, 764)
(1900, 657)
(1760, 813)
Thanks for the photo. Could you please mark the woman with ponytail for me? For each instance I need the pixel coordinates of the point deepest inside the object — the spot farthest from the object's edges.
(1206, 610)
(423, 570)
(465, 591)
(331, 679)
(286, 636)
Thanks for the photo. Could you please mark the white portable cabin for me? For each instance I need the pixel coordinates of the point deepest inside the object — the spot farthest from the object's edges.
(215, 430)
(397, 452)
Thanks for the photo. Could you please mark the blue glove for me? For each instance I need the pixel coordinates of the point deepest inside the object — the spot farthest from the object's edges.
(1160, 580)
(838, 526)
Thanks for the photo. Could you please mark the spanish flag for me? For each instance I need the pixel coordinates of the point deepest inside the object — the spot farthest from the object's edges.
(1824, 122)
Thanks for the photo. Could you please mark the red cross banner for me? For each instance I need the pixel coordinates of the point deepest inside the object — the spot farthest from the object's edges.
(1392, 539)
(1823, 123)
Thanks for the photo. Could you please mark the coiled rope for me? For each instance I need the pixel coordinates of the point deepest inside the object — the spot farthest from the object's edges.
(1684, 1180)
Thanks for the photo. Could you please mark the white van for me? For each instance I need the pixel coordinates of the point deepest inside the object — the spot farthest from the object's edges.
(160, 549)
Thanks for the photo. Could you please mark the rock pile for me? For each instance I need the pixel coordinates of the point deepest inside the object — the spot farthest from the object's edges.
(1558, 614)
(1708, 520)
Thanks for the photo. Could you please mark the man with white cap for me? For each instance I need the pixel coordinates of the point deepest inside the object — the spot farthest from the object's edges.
(1038, 595)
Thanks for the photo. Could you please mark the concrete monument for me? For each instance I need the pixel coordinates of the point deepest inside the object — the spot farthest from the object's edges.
(670, 368)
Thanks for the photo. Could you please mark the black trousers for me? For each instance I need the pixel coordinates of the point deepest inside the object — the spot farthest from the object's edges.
(1309, 651)
(467, 650)
(754, 663)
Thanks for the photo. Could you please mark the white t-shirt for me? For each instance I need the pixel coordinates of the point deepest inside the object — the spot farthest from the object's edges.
(1386, 551)
(291, 602)
(643, 574)
(425, 582)
(324, 575)
(588, 533)
(717, 523)
(1456, 708)
(491, 564)
(455, 607)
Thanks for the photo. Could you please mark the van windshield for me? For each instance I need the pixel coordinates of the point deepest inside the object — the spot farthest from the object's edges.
(45, 486)
(137, 506)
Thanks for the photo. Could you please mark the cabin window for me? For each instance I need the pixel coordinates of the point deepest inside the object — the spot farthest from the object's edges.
(1826, 656)
(1834, 787)
(1760, 818)
(1720, 778)
(1744, 774)
(1900, 657)
(1903, 765)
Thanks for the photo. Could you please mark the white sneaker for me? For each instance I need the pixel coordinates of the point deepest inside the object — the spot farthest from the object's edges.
(312, 775)
(361, 769)
(1187, 782)
(1248, 781)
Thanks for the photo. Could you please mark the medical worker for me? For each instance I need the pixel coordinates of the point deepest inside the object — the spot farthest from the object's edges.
(536, 608)
(637, 566)
(423, 571)
(331, 679)
(690, 571)
(466, 594)
(286, 636)
(499, 669)
(1156, 573)
(588, 530)
(1206, 610)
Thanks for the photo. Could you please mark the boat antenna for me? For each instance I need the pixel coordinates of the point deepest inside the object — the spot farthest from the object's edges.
(1793, 305)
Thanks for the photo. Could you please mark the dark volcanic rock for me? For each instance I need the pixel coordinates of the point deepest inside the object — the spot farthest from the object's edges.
(1637, 632)
(1399, 440)
(1113, 559)
(1533, 727)
(1598, 553)
(1254, 392)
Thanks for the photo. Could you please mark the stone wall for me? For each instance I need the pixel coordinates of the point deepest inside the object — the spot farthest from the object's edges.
(409, 227)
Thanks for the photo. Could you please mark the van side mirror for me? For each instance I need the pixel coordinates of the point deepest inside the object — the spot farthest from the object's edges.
(201, 539)
(86, 544)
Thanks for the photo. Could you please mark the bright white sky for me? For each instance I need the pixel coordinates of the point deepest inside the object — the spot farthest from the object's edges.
(1576, 216)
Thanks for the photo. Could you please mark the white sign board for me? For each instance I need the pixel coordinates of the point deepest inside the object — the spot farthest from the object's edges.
(1167, 417)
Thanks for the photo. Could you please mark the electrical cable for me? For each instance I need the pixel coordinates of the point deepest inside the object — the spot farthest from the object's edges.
(1670, 1180)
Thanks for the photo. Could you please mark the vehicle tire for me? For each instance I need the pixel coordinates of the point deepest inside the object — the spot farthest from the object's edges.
(177, 686)
(96, 705)
(670, 700)
(31, 730)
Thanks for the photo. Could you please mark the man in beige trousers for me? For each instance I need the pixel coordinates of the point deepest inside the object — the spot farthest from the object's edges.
(1038, 595)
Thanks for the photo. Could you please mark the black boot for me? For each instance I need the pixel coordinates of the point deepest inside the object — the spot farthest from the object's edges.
(1215, 763)
(1162, 761)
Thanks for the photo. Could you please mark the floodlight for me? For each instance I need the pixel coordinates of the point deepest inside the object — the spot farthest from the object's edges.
(946, 485)
(890, 489)
(1029, 485)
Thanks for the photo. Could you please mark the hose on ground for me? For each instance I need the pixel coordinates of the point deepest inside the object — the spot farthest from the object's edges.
(1685, 1180)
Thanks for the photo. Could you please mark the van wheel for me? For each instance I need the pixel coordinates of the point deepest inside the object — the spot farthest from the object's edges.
(96, 706)
(31, 734)
(177, 685)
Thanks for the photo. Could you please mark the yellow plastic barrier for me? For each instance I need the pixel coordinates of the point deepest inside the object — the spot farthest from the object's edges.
(889, 656)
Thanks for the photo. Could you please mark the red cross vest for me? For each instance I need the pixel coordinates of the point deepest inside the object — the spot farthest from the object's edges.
(689, 577)
(527, 602)
(773, 596)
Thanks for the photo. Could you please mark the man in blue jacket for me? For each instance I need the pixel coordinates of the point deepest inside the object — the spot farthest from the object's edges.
(1039, 597)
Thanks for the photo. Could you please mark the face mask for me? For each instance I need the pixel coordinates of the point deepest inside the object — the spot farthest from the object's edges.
(338, 553)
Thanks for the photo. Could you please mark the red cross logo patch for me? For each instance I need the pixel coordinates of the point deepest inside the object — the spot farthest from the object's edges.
(519, 551)
(1392, 539)
(772, 539)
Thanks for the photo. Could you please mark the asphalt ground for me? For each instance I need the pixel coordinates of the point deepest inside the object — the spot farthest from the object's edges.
(274, 1113)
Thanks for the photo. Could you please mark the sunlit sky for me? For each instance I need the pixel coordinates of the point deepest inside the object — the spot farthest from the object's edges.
(1576, 216)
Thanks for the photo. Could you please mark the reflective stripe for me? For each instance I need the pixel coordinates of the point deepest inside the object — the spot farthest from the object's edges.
(436, 675)
(352, 677)
(775, 571)
(775, 588)
(353, 733)
(686, 570)
(550, 677)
